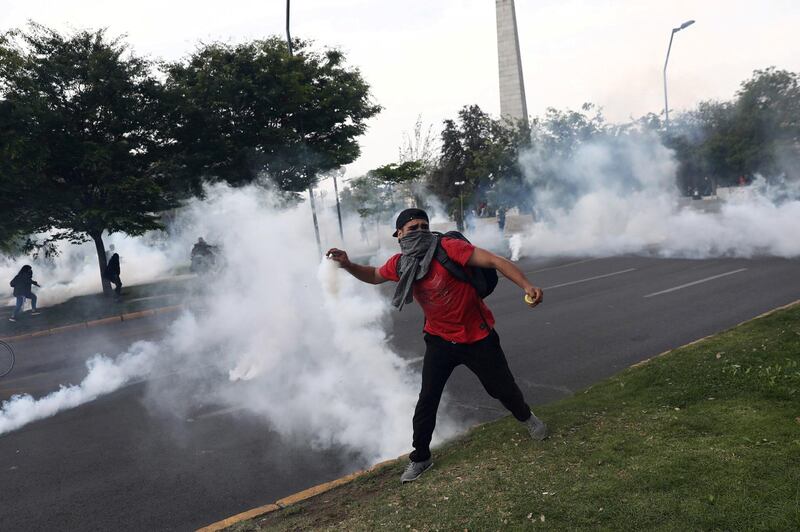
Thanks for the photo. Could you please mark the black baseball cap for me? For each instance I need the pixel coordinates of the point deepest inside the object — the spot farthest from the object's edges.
(406, 216)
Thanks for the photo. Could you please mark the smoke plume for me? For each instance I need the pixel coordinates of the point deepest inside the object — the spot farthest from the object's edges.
(617, 195)
(276, 335)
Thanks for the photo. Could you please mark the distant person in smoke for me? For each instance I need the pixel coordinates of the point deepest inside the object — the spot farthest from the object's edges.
(501, 218)
(201, 247)
(202, 256)
(22, 284)
(112, 273)
(459, 327)
(459, 218)
(469, 221)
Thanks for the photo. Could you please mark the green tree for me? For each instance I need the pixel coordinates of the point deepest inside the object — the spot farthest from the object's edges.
(79, 125)
(399, 172)
(480, 151)
(757, 132)
(767, 128)
(561, 132)
(253, 111)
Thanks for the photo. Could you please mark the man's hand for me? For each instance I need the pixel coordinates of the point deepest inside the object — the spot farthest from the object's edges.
(534, 295)
(339, 256)
(367, 274)
(487, 259)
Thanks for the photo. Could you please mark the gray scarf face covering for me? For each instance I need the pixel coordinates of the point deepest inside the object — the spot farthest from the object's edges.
(418, 250)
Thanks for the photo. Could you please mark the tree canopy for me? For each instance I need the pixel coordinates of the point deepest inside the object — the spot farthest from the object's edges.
(480, 151)
(253, 111)
(756, 133)
(79, 124)
(95, 139)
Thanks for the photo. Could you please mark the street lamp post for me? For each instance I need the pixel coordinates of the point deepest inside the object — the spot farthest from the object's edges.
(310, 187)
(672, 35)
(338, 172)
(460, 185)
(288, 34)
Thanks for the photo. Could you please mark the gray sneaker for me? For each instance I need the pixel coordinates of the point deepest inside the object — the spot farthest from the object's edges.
(536, 428)
(414, 470)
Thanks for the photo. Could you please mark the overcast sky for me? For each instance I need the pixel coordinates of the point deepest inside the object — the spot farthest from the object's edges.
(431, 57)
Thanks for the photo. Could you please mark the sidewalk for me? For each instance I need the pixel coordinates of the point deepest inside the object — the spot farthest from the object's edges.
(82, 309)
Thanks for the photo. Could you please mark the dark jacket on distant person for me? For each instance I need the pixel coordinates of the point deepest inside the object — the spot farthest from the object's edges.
(22, 282)
(112, 268)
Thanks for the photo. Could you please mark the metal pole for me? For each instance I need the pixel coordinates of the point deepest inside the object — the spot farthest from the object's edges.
(672, 35)
(461, 199)
(338, 209)
(288, 35)
(314, 217)
(310, 187)
(666, 104)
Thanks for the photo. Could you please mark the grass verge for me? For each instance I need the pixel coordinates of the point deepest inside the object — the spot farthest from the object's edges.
(704, 438)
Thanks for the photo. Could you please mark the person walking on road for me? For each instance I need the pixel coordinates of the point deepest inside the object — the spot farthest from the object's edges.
(501, 218)
(22, 284)
(459, 327)
(112, 273)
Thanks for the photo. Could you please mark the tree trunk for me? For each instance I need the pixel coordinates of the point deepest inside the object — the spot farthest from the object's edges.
(101, 260)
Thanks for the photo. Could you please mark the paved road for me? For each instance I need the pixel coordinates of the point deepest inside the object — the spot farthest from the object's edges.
(116, 464)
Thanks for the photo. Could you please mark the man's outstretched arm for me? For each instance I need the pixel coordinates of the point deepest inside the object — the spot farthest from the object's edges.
(487, 259)
(367, 274)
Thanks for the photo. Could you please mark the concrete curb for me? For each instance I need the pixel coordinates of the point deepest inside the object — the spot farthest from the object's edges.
(294, 498)
(327, 486)
(93, 323)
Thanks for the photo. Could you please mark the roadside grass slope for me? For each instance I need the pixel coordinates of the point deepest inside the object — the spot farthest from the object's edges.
(706, 437)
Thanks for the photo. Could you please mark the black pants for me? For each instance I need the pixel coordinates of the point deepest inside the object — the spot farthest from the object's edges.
(485, 359)
(115, 280)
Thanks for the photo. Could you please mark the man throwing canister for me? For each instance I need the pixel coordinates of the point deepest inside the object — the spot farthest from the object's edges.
(459, 327)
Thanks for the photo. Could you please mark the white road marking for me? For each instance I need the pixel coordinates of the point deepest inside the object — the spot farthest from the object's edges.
(695, 282)
(589, 279)
(220, 412)
(160, 296)
(557, 267)
(564, 265)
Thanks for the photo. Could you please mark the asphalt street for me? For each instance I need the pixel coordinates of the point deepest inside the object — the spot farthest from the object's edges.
(116, 463)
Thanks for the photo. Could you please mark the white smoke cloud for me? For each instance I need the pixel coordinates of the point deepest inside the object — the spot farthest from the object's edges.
(279, 336)
(618, 195)
(75, 270)
(276, 335)
(105, 376)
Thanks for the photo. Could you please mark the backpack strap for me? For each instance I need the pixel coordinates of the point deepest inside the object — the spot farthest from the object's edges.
(460, 273)
(455, 269)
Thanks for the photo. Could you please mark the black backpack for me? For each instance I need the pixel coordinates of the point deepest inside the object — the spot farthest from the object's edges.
(484, 280)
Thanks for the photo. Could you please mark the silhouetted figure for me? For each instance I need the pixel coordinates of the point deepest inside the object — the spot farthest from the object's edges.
(22, 284)
(112, 273)
(457, 216)
(469, 222)
(501, 219)
(203, 256)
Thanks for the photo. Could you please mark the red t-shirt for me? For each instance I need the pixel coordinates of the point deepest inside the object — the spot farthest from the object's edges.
(452, 308)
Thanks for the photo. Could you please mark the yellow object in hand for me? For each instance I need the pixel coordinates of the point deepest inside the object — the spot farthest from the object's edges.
(528, 299)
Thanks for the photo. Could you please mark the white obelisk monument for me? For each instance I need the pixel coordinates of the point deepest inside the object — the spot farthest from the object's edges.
(512, 84)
